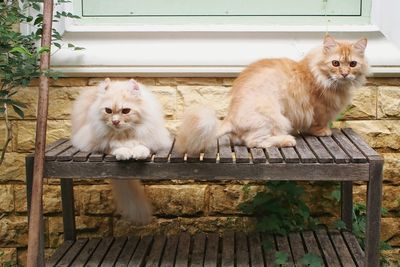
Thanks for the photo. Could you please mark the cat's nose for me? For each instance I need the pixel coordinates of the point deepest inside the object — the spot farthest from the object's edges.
(115, 122)
(344, 75)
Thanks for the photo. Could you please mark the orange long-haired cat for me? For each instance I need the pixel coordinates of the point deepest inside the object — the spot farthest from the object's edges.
(275, 98)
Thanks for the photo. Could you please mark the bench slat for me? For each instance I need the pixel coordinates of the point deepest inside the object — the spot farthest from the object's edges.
(283, 245)
(210, 154)
(348, 147)
(114, 251)
(67, 154)
(55, 144)
(199, 244)
(96, 157)
(86, 252)
(141, 252)
(269, 252)
(72, 253)
(182, 256)
(127, 252)
(337, 152)
(258, 155)
(305, 153)
(290, 155)
(296, 245)
(319, 150)
(341, 248)
(327, 248)
(228, 249)
(274, 155)
(256, 255)
(311, 243)
(360, 143)
(168, 258)
(52, 154)
(60, 252)
(156, 251)
(354, 248)
(81, 156)
(211, 256)
(225, 150)
(100, 252)
(242, 251)
(162, 156)
(241, 154)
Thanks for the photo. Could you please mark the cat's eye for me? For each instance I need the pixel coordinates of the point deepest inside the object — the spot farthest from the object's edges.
(126, 110)
(335, 63)
(353, 64)
(108, 110)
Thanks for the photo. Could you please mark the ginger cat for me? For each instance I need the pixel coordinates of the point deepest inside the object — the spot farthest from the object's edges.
(123, 119)
(275, 98)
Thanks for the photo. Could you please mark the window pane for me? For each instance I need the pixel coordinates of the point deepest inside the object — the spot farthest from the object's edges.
(137, 8)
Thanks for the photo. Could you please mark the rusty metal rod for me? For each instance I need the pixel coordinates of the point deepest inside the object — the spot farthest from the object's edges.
(36, 232)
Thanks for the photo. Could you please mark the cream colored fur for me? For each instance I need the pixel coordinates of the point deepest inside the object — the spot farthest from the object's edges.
(272, 99)
(99, 124)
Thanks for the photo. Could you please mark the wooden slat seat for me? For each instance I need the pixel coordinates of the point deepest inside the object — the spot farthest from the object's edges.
(343, 157)
(209, 249)
(314, 158)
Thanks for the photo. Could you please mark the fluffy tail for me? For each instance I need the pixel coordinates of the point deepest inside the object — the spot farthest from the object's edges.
(131, 201)
(199, 130)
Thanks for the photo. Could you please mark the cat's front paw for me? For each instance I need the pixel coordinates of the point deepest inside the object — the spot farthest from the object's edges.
(321, 132)
(140, 152)
(122, 153)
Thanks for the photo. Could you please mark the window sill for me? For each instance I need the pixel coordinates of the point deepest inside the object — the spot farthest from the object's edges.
(208, 53)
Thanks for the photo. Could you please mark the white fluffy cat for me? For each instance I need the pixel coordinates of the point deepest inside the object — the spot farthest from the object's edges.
(123, 119)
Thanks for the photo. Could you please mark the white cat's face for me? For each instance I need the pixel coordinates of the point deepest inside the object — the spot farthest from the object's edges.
(120, 105)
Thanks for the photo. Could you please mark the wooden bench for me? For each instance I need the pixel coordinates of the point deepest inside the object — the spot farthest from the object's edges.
(344, 157)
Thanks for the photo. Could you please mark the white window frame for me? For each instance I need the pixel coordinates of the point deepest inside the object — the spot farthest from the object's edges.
(215, 50)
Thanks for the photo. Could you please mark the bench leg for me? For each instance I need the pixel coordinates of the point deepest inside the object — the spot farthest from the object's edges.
(29, 163)
(347, 204)
(374, 202)
(68, 208)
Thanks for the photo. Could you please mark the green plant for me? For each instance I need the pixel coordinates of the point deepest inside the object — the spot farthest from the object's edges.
(280, 210)
(20, 55)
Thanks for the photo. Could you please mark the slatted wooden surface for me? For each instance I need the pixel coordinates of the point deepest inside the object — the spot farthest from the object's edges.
(344, 146)
(210, 249)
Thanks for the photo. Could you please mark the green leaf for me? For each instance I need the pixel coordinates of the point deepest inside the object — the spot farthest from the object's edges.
(18, 111)
(21, 50)
(281, 258)
(57, 45)
(340, 225)
(336, 195)
(311, 260)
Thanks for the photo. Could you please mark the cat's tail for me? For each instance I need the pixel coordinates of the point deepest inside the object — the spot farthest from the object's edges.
(199, 130)
(131, 201)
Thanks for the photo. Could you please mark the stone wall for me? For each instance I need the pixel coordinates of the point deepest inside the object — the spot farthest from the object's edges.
(375, 114)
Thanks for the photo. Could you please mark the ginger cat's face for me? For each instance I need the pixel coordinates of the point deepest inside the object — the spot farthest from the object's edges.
(342, 63)
(120, 105)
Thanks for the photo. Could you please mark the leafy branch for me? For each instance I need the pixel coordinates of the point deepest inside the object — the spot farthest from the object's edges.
(20, 55)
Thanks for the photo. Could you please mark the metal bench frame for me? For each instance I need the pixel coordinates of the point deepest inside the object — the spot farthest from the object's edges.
(344, 158)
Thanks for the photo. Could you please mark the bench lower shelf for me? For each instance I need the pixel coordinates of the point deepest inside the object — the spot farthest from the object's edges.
(209, 249)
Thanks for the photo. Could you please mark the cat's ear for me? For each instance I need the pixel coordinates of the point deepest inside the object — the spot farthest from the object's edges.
(134, 87)
(329, 43)
(104, 85)
(360, 45)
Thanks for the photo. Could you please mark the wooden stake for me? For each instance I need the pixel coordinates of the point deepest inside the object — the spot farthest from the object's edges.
(36, 232)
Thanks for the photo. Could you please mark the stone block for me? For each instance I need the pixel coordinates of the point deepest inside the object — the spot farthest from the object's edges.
(390, 231)
(389, 102)
(391, 168)
(390, 199)
(6, 198)
(94, 199)
(166, 95)
(8, 257)
(13, 231)
(25, 138)
(363, 105)
(179, 200)
(13, 168)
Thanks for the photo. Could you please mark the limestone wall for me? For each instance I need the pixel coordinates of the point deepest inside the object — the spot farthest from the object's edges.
(375, 114)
